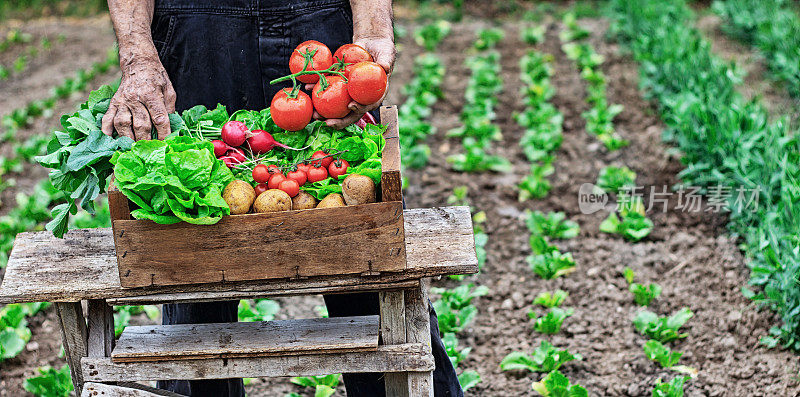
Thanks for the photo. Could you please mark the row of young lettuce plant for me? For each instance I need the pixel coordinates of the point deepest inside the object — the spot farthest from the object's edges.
(481, 96)
(599, 119)
(773, 27)
(21, 62)
(727, 143)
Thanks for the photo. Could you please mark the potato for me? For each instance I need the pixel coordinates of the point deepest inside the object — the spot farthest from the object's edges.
(239, 195)
(358, 189)
(332, 200)
(273, 200)
(303, 201)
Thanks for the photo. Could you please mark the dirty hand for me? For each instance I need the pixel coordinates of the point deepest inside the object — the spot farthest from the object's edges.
(144, 99)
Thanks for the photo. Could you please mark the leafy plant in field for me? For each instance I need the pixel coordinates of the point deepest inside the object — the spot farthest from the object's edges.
(468, 379)
(429, 36)
(548, 299)
(573, 31)
(532, 35)
(551, 264)
(662, 329)
(643, 295)
(324, 386)
(14, 37)
(459, 197)
(258, 310)
(14, 332)
(488, 38)
(726, 140)
(656, 351)
(555, 384)
(123, 314)
(29, 214)
(455, 308)
(553, 224)
(545, 358)
(550, 323)
(612, 178)
(455, 354)
(535, 184)
(632, 223)
(672, 389)
(51, 382)
(422, 92)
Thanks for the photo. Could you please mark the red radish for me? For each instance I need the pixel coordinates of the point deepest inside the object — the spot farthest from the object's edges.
(230, 161)
(220, 147)
(234, 133)
(237, 154)
(262, 142)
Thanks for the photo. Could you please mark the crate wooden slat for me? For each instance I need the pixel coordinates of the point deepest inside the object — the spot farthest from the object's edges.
(246, 339)
(83, 266)
(389, 358)
(346, 240)
(124, 389)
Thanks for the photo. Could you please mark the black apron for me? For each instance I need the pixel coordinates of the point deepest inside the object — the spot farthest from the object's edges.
(227, 51)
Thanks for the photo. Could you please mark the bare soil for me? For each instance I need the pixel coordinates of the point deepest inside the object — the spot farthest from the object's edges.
(688, 254)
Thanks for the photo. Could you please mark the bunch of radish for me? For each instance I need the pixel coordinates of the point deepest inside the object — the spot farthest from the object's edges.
(234, 134)
(340, 78)
(321, 166)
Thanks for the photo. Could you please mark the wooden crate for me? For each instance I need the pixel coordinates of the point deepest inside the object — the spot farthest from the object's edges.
(362, 239)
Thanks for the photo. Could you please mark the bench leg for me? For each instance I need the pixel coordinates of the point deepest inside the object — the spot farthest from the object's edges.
(393, 332)
(74, 337)
(418, 330)
(100, 328)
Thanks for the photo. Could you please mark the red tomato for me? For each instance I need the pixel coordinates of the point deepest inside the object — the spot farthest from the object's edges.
(274, 169)
(291, 114)
(338, 167)
(261, 173)
(290, 187)
(303, 167)
(366, 83)
(275, 180)
(298, 176)
(324, 162)
(316, 174)
(261, 188)
(321, 60)
(351, 53)
(332, 102)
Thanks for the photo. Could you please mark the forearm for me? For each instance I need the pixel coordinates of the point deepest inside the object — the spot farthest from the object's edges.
(372, 19)
(131, 20)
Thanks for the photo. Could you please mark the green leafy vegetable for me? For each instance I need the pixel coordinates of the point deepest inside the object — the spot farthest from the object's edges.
(662, 329)
(555, 384)
(554, 299)
(51, 382)
(550, 323)
(545, 358)
(553, 224)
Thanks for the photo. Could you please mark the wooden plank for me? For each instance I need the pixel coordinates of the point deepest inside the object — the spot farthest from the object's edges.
(393, 332)
(439, 241)
(73, 337)
(395, 358)
(100, 321)
(246, 339)
(303, 243)
(118, 204)
(391, 181)
(127, 389)
(418, 330)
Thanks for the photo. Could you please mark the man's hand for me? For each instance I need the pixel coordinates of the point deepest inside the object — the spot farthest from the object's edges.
(144, 99)
(383, 52)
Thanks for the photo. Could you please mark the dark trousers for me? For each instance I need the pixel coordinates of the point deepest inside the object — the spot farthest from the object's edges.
(227, 52)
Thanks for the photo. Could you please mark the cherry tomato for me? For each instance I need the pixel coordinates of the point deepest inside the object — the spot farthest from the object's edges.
(274, 169)
(338, 167)
(261, 173)
(275, 180)
(321, 60)
(291, 187)
(316, 174)
(332, 102)
(291, 114)
(303, 167)
(366, 83)
(324, 162)
(261, 188)
(351, 53)
(298, 176)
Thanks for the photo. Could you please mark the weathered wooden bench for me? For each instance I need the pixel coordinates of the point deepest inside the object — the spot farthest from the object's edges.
(83, 267)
